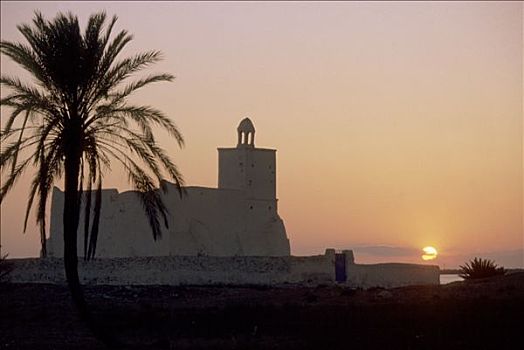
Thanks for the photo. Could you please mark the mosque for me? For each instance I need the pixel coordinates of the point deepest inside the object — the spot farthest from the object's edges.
(239, 218)
(226, 235)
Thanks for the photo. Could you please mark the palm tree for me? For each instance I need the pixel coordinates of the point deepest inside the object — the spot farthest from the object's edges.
(74, 119)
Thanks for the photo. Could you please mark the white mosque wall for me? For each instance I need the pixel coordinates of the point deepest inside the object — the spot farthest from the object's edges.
(204, 221)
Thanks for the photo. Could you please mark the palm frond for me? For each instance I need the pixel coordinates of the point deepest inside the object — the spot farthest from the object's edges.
(87, 216)
(12, 178)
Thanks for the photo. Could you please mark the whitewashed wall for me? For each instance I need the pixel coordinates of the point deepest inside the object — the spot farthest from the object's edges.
(390, 275)
(207, 270)
(240, 218)
(205, 221)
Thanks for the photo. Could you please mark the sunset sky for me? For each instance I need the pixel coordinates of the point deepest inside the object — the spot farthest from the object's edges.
(397, 125)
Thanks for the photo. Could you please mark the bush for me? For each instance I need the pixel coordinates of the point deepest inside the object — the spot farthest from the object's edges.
(5, 269)
(480, 268)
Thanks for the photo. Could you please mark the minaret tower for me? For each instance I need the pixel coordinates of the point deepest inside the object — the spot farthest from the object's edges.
(246, 167)
(252, 172)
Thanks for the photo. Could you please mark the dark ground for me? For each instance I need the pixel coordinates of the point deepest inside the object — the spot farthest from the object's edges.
(486, 314)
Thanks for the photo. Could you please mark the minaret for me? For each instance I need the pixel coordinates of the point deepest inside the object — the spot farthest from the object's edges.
(246, 167)
(252, 172)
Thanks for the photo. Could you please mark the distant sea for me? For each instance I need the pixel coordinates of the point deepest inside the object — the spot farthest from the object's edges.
(445, 279)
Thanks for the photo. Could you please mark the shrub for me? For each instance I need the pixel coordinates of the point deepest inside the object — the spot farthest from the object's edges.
(480, 268)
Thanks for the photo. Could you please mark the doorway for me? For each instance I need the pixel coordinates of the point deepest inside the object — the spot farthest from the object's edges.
(340, 267)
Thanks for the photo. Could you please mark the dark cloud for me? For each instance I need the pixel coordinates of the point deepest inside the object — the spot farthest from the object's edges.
(386, 251)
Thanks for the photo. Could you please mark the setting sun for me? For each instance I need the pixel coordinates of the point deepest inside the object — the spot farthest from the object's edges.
(430, 253)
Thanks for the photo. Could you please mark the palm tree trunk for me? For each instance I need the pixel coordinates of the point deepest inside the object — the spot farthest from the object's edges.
(71, 216)
(70, 220)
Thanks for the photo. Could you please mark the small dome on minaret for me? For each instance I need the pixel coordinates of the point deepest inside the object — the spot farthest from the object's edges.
(246, 133)
(246, 125)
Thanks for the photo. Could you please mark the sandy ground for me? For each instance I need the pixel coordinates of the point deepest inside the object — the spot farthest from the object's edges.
(486, 314)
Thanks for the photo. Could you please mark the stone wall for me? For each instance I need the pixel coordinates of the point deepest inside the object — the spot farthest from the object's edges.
(205, 221)
(390, 275)
(180, 270)
(207, 270)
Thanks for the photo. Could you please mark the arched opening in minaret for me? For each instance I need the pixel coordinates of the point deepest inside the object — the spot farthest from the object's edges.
(246, 133)
(246, 138)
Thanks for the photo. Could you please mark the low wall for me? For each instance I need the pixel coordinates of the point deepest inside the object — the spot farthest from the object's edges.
(391, 275)
(209, 270)
(181, 270)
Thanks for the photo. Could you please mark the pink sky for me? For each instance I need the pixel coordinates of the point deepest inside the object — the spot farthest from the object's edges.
(397, 125)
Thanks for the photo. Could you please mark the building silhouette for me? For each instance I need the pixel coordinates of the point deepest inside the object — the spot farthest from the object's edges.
(239, 218)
